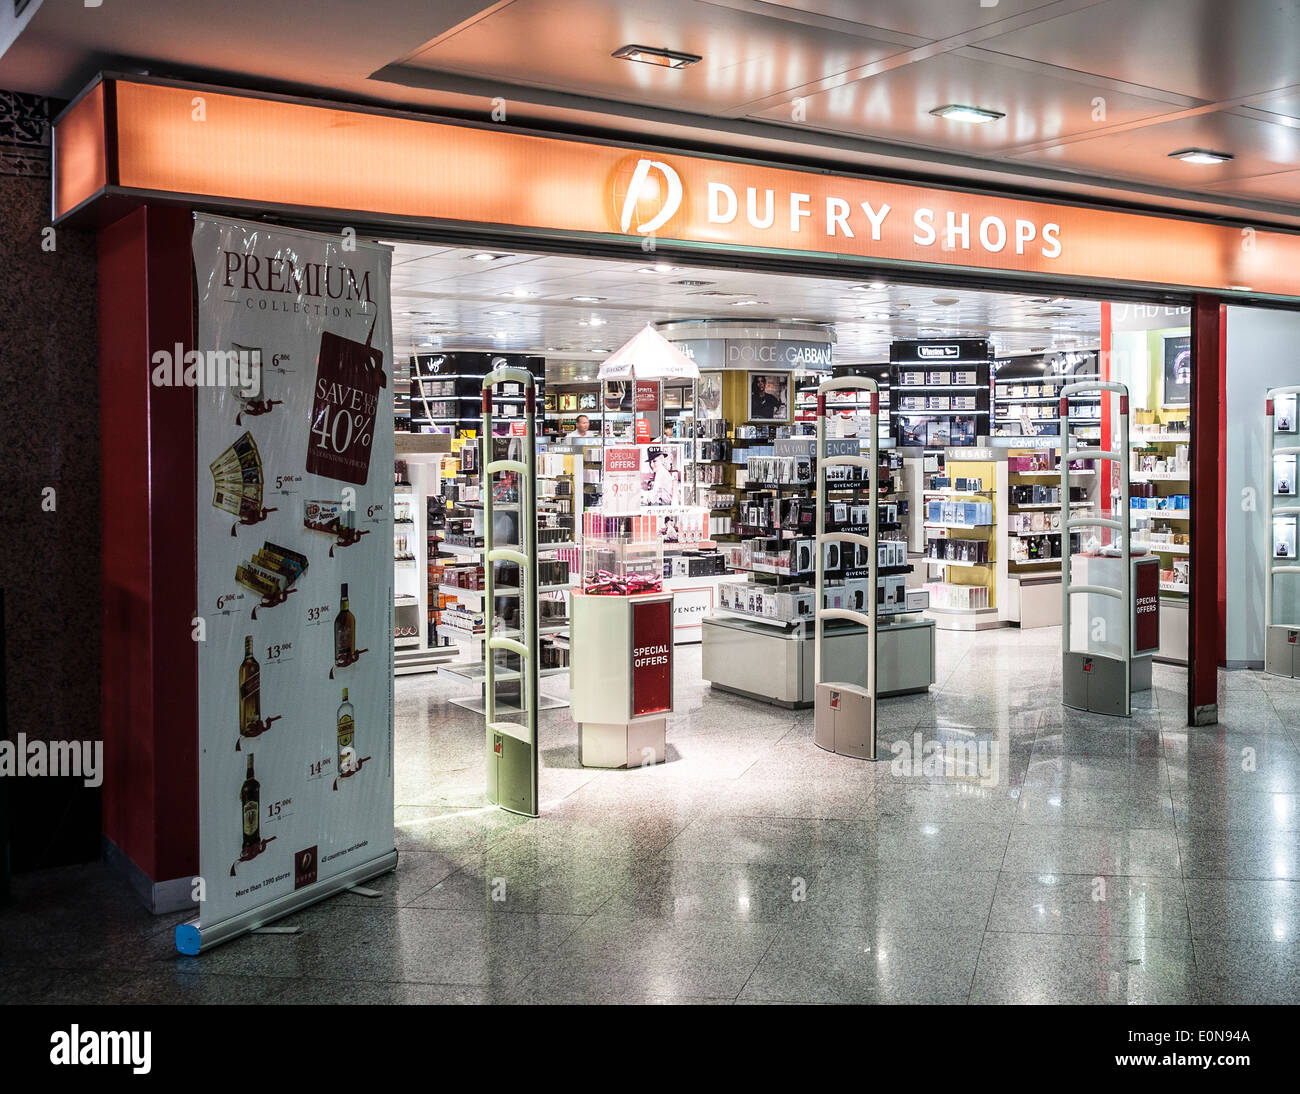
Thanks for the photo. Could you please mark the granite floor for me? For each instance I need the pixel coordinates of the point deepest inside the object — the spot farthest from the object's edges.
(1049, 857)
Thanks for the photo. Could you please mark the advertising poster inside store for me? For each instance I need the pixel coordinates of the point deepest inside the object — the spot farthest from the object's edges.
(295, 579)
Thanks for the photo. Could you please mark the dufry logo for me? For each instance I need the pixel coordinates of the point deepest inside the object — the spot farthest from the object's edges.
(647, 194)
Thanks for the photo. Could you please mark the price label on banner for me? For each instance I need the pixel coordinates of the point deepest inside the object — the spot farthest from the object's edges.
(349, 375)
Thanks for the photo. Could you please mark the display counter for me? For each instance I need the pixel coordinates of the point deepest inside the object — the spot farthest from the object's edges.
(621, 677)
(773, 662)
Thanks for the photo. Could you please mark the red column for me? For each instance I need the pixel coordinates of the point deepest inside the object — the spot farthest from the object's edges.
(1206, 608)
(150, 683)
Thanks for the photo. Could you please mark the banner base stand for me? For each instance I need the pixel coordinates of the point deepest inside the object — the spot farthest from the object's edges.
(193, 939)
(361, 890)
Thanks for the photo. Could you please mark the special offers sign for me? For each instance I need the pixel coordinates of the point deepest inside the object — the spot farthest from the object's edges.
(371, 166)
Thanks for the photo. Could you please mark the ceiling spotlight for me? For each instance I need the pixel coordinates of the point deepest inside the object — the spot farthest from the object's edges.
(1200, 155)
(586, 299)
(971, 115)
(663, 58)
(486, 256)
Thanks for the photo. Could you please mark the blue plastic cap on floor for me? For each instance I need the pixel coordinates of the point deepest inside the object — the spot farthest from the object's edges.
(187, 939)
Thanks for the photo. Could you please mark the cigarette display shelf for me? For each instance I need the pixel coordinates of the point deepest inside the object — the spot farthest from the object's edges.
(1159, 458)
(419, 468)
(1023, 385)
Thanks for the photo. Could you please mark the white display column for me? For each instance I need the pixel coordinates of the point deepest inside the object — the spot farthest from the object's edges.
(621, 677)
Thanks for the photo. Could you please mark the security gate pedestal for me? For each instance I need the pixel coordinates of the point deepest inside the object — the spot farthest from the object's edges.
(1094, 683)
(1282, 651)
(844, 721)
(510, 767)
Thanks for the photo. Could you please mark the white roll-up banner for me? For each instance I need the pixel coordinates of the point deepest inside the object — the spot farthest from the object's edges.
(294, 402)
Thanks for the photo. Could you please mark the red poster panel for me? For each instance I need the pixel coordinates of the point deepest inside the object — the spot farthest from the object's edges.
(1146, 606)
(647, 395)
(652, 657)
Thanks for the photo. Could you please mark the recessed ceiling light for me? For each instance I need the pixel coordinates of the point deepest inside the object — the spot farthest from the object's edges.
(586, 299)
(519, 293)
(501, 313)
(1200, 155)
(746, 303)
(691, 284)
(650, 55)
(946, 301)
(659, 268)
(971, 115)
(486, 256)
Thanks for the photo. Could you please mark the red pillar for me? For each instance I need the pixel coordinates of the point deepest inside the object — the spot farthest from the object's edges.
(1206, 608)
(150, 682)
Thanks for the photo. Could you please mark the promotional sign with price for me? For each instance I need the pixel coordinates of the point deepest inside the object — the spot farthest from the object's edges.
(295, 574)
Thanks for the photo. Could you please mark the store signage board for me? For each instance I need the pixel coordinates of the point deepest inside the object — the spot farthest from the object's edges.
(295, 578)
(374, 166)
(1146, 606)
(621, 481)
(652, 657)
(647, 395)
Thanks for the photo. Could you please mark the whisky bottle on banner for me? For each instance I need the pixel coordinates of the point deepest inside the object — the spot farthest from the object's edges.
(345, 632)
(250, 691)
(346, 736)
(250, 800)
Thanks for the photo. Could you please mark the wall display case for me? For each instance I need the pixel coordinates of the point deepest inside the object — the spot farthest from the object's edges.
(1282, 568)
(417, 518)
(446, 391)
(1027, 395)
(939, 392)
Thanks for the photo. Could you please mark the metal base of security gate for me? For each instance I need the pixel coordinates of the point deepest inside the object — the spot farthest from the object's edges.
(1282, 652)
(1095, 683)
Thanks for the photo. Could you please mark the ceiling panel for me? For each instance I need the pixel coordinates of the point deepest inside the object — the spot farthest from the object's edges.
(1259, 148)
(924, 18)
(566, 45)
(1282, 186)
(468, 312)
(1205, 48)
(1040, 105)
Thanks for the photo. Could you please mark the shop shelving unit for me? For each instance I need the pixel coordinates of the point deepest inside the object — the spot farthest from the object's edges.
(413, 651)
(1166, 532)
(1282, 620)
(1027, 395)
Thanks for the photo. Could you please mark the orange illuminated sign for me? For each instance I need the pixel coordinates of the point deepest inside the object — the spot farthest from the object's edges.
(222, 148)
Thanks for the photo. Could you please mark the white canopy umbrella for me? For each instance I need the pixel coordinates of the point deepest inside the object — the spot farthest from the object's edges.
(648, 355)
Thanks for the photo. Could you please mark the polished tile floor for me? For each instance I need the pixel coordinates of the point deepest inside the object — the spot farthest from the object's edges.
(1045, 857)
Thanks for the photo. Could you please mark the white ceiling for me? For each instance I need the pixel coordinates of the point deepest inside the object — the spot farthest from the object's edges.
(443, 296)
(1096, 92)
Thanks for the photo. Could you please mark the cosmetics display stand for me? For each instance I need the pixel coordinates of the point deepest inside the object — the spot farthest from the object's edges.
(1099, 644)
(844, 719)
(511, 747)
(1282, 617)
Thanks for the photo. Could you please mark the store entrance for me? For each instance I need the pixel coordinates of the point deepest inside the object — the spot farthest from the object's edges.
(971, 505)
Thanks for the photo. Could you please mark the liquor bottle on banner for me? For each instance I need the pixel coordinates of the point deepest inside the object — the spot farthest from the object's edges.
(345, 633)
(250, 799)
(346, 736)
(250, 691)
